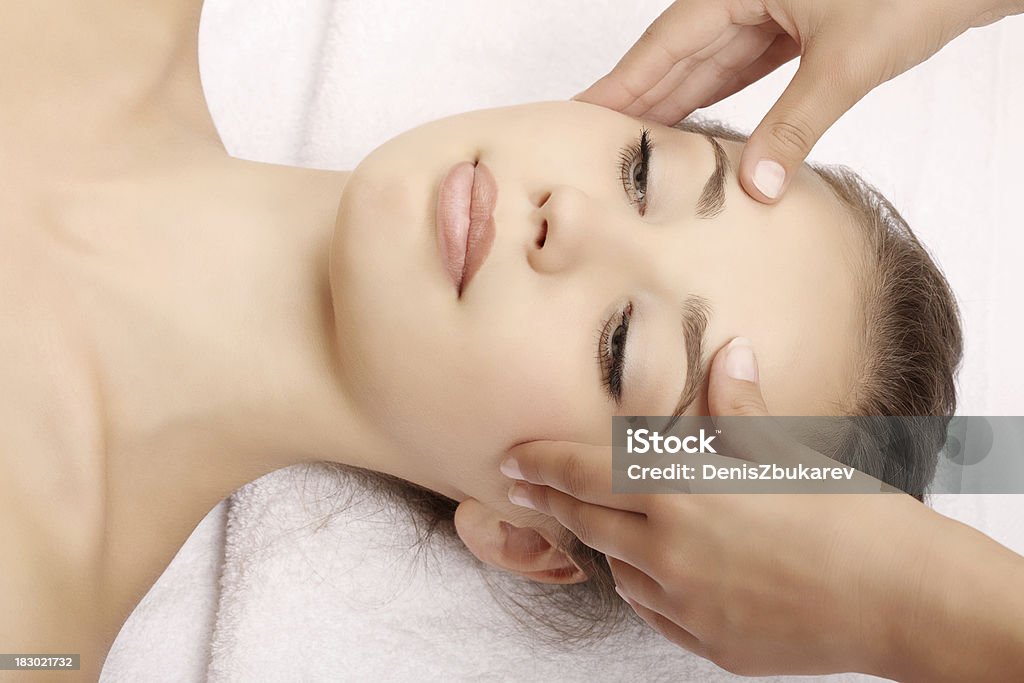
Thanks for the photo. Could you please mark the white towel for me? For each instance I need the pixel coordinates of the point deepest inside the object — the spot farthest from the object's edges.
(167, 637)
(321, 83)
(313, 597)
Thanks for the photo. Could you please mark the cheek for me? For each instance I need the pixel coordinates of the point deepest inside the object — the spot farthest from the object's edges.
(544, 408)
(555, 397)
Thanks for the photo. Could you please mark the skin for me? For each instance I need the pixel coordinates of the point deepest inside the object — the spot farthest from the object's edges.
(181, 322)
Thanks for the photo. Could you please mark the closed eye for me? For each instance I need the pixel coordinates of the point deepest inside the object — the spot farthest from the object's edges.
(611, 351)
(634, 169)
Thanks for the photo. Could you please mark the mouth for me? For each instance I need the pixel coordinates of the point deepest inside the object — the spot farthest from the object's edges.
(465, 220)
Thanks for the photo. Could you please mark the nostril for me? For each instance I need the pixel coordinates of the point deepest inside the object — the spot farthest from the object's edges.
(543, 234)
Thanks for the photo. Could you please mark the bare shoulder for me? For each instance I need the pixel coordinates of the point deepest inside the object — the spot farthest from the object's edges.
(75, 75)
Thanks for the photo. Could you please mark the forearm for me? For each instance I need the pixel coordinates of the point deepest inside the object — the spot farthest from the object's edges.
(960, 616)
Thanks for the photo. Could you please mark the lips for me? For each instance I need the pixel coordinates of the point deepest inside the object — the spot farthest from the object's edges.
(465, 220)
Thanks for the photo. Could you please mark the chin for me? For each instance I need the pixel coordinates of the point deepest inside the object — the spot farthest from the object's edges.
(383, 249)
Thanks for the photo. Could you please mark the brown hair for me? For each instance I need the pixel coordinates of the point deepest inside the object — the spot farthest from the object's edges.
(911, 346)
(909, 355)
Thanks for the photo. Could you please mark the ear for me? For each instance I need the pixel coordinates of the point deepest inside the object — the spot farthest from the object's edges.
(529, 551)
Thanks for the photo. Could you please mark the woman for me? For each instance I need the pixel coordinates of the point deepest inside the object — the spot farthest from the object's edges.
(181, 322)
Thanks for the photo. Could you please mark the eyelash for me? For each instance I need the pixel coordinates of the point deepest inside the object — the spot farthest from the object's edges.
(611, 345)
(639, 151)
(610, 357)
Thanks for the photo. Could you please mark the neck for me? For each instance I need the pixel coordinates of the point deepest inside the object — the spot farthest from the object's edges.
(215, 357)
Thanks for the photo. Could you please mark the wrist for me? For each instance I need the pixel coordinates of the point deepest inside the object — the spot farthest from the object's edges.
(955, 613)
(895, 584)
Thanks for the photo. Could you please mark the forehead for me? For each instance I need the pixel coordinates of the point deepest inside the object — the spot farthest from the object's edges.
(795, 287)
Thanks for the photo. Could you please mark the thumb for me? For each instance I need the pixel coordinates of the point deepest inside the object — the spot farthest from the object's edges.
(824, 87)
(734, 397)
(733, 385)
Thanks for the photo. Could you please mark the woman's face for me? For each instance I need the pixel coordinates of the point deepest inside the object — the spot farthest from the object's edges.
(617, 310)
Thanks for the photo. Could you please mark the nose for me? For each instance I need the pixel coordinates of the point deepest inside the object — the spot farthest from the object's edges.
(570, 227)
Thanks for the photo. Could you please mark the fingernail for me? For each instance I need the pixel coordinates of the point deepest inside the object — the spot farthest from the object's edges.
(517, 494)
(768, 177)
(739, 360)
(510, 468)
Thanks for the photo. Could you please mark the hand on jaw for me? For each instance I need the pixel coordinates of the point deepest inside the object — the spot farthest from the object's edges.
(763, 583)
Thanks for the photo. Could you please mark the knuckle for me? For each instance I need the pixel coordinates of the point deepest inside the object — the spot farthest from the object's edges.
(539, 496)
(792, 134)
(720, 72)
(667, 519)
(655, 39)
(728, 635)
(645, 102)
(744, 404)
(574, 476)
(651, 35)
(577, 523)
(859, 69)
(528, 467)
(663, 568)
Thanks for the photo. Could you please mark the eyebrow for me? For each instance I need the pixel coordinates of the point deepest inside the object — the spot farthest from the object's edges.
(696, 311)
(712, 197)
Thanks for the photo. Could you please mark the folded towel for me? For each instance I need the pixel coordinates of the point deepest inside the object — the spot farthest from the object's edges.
(311, 595)
(167, 637)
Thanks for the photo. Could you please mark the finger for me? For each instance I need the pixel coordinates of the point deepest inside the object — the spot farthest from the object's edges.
(825, 86)
(681, 31)
(734, 381)
(738, 408)
(668, 628)
(782, 50)
(633, 585)
(615, 533)
(746, 46)
(747, 431)
(677, 78)
(582, 471)
(638, 587)
(637, 583)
